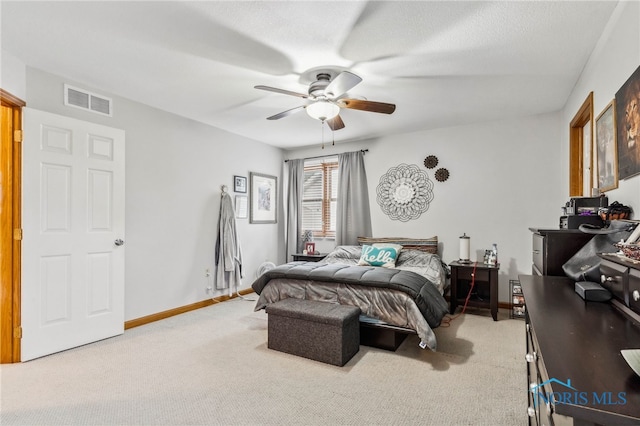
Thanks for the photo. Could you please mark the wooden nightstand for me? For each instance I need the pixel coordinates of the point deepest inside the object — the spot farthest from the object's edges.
(485, 291)
(308, 257)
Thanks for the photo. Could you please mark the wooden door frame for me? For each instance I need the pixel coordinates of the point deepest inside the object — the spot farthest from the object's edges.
(11, 234)
(576, 147)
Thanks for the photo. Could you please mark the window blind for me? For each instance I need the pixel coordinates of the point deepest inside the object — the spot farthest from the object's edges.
(320, 194)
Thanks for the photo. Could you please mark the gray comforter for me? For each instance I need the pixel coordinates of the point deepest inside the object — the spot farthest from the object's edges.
(397, 297)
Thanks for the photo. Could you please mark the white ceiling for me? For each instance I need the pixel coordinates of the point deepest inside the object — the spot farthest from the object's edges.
(443, 63)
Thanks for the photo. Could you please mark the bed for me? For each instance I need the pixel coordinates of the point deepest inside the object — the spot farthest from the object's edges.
(401, 297)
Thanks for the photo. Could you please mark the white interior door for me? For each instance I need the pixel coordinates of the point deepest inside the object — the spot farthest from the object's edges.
(73, 217)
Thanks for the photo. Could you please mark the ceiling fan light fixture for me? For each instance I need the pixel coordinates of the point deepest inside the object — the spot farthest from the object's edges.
(322, 110)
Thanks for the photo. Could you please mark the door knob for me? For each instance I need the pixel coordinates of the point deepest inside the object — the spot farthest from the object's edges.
(119, 242)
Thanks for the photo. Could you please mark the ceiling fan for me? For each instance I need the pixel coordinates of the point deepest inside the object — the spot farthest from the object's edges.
(326, 98)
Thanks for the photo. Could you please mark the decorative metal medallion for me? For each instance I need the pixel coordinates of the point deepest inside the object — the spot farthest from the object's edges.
(442, 174)
(404, 192)
(431, 161)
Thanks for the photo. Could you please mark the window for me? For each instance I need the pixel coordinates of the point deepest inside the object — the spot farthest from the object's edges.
(320, 195)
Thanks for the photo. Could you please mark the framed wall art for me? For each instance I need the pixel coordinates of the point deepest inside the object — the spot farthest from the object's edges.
(241, 207)
(239, 184)
(263, 199)
(607, 150)
(628, 126)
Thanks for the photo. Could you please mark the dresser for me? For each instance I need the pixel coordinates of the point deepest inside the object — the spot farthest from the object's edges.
(575, 371)
(551, 248)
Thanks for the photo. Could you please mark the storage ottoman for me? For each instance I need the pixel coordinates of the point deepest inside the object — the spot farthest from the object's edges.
(321, 331)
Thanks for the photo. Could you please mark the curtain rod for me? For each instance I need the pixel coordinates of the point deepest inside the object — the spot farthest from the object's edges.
(328, 155)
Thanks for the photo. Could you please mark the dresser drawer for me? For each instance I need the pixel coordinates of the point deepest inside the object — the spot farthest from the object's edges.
(613, 277)
(634, 290)
(541, 398)
(538, 252)
(540, 407)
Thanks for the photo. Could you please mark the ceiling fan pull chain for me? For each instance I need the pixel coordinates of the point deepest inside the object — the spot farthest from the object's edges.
(322, 125)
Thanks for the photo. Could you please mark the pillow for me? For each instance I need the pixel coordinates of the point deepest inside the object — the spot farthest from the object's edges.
(348, 255)
(411, 257)
(428, 265)
(346, 252)
(379, 256)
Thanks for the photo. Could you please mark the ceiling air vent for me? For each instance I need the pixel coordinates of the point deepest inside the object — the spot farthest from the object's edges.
(80, 98)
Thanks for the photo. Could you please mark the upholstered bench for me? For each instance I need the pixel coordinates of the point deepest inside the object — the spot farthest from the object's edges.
(321, 331)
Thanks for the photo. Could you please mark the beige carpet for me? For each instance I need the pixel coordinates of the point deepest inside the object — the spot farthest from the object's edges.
(212, 366)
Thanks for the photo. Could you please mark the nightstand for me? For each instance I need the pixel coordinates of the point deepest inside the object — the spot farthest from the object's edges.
(485, 290)
(308, 257)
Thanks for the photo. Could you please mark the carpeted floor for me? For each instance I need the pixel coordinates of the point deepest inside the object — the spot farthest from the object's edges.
(212, 366)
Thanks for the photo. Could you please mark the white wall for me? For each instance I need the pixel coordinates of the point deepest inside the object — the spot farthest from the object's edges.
(615, 58)
(504, 179)
(174, 170)
(12, 75)
(505, 176)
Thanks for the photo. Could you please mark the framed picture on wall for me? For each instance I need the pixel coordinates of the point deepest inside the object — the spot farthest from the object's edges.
(606, 149)
(628, 126)
(241, 206)
(263, 199)
(239, 184)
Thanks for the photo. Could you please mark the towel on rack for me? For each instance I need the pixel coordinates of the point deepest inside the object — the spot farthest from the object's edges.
(228, 251)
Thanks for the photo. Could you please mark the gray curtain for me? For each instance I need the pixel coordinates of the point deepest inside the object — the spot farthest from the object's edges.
(353, 213)
(293, 182)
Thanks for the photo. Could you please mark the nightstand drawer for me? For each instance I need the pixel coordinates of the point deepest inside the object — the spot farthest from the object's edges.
(467, 274)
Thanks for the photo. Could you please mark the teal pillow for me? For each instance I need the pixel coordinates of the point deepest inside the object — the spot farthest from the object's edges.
(379, 256)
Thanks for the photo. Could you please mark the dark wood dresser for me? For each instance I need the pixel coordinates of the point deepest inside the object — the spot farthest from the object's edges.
(575, 371)
(551, 248)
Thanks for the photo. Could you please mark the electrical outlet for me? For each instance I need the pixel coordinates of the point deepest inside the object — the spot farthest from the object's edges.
(209, 289)
(207, 272)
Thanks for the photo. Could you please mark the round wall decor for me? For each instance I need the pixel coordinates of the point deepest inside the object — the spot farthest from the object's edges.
(431, 161)
(404, 192)
(442, 174)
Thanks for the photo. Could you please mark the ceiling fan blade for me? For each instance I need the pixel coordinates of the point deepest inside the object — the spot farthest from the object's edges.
(342, 83)
(335, 123)
(370, 106)
(286, 113)
(282, 91)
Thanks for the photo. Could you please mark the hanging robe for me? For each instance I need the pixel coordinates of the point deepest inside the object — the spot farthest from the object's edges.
(228, 252)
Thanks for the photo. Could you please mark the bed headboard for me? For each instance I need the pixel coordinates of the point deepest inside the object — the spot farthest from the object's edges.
(429, 245)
